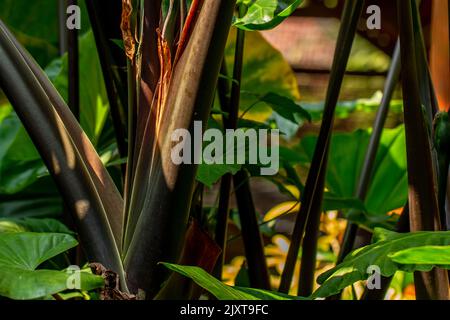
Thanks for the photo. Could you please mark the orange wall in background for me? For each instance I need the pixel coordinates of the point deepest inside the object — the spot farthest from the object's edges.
(440, 53)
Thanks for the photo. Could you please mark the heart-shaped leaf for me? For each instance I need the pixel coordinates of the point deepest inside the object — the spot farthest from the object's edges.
(22, 253)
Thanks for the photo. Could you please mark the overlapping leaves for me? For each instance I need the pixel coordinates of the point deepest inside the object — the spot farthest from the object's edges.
(390, 252)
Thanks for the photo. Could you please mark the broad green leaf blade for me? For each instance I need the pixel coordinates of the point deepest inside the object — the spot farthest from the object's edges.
(19, 284)
(436, 255)
(209, 174)
(354, 267)
(265, 70)
(40, 199)
(43, 225)
(20, 163)
(35, 24)
(222, 291)
(388, 190)
(334, 203)
(93, 99)
(28, 250)
(22, 253)
(266, 14)
(286, 108)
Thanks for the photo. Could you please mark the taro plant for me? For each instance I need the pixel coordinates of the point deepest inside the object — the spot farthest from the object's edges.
(148, 68)
(160, 61)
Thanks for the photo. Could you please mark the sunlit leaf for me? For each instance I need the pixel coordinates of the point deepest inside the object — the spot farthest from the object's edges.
(222, 291)
(388, 190)
(265, 14)
(386, 244)
(436, 255)
(265, 70)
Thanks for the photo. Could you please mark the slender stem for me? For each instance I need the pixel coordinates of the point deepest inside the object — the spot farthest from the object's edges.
(222, 221)
(369, 160)
(223, 89)
(112, 81)
(309, 248)
(74, 69)
(351, 14)
(62, 28)
(254, 249)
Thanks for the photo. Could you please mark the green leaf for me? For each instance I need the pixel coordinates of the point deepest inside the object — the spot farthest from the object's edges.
(40, 199)
(436, 255)
(331, 202)
(20, 163)
(286, 107)
(388, 190)
(222, 291)
(35, 225)
(265, 70)
(93, 99)
(265, 14)
(22, 253)
(35, 24)
(209, 174)
(387, 244)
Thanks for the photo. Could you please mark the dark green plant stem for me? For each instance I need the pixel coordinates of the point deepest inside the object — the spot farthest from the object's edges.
(130, 170)
(74, 68)
(223, 209)
(161, 227)
(423, 204)
(309, 247)
(369, 160)
(52, 129)
(115, 88)
(62, 28)
(251, 236)
(351, 14)
(220, 234)
(254, 248)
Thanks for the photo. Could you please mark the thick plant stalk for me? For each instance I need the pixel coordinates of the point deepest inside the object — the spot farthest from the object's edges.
(72, 161)
(163, 220)
(423, 204)
(108, 193)
(143, 125)
(351, 14)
